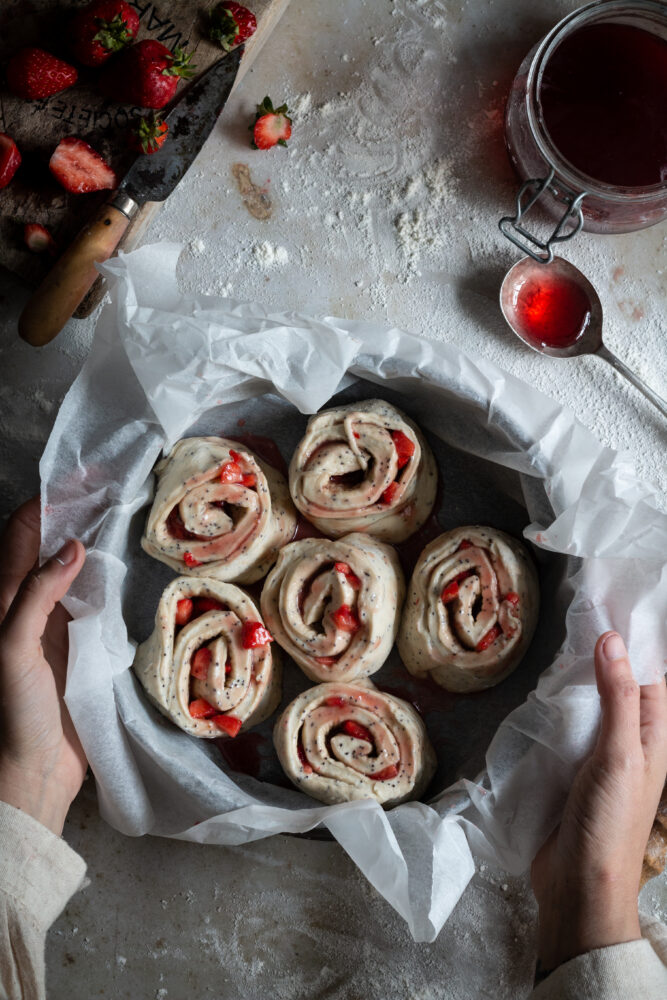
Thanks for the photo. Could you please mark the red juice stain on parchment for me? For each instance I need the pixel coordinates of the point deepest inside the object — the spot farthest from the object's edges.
(243, 753)
(265, 447)
(410, 550)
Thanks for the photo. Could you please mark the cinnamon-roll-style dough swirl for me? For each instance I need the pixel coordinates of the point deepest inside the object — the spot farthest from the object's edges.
(364, 467)
(218, 511)
(339, 742)
(471, 609)
(334, 606)
(209, 665)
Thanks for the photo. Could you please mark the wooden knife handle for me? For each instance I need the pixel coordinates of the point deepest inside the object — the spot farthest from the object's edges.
(54, 301)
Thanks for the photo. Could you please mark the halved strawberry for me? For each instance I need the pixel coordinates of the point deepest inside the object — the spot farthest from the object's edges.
(200, 709)
(79, 169)
(228, 723)
(231, 24)
(255, 634)
(148, 135)
(190, 560)
(100, 29)
(200, 663)
(34, 73)
(345, 619)
(272, 126)
(488, 639)
(405, 448)
(10, 159)
(386, 774)
(38, 238)
(389, 494)
(352, 578)
(359, 732)
(183, 611)
(450, 592)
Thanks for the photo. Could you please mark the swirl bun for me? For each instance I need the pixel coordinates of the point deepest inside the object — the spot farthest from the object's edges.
(219, 511)
(340, 742)
(209, 665)
(364, 467)
(471, 609)
(334, 606)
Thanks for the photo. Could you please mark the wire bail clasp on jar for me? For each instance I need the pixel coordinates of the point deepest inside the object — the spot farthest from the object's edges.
(522, 238)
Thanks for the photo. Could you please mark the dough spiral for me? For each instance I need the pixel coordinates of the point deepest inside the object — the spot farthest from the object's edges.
(219, 511)
(471, 609)
(364, 467)
(207, 666)
(334, 606)
(339, 742)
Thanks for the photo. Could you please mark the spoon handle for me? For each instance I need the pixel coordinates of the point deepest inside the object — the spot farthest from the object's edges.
(658, 401)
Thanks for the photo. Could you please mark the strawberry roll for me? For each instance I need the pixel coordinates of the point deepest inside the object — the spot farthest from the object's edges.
(364, 467)
(339, 742)
(219, 511)
(334, 606)
(209, 665)
(471, 609)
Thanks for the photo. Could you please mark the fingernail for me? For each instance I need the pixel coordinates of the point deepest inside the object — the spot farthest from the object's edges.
(67, 554)
(614, 647)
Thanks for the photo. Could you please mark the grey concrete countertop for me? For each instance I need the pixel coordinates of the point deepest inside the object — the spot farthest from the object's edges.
(384, 206)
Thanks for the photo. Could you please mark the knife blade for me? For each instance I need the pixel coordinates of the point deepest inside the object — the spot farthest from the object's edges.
(191, 119)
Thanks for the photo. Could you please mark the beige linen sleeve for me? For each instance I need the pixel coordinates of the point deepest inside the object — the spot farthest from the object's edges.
(632, 971)
(38, 874)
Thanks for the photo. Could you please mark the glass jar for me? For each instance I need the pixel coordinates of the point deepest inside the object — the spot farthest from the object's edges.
(572, 197)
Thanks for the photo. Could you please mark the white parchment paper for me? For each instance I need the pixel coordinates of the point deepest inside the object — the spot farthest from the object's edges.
(159, 363)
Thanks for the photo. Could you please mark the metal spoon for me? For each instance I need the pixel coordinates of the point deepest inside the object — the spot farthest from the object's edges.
(590, 341)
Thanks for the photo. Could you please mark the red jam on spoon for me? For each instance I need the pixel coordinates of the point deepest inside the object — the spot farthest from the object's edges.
(551, 310)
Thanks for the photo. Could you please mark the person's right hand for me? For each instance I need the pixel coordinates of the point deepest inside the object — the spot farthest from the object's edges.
(586, 876)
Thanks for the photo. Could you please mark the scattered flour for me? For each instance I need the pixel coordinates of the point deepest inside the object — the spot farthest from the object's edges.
(268, 255)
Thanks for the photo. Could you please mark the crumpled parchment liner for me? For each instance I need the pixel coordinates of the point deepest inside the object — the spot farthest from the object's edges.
(161, 360)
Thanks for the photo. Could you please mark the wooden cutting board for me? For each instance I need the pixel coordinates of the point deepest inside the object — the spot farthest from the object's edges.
(38, 126)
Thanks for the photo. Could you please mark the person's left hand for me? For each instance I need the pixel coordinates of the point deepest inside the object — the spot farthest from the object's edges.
(42, 763)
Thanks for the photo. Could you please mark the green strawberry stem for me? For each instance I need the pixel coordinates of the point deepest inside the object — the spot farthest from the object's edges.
(113, 35)
(180, 65)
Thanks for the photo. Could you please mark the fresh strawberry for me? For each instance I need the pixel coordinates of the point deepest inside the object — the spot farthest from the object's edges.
(346, 619)
(488, 639)
(389, 494)
(303, 760)
(228, 723)
(387, 773)
(450, 592)
(200, 663)
(353, 728)
(148, 135)
(204, 604)
(255, 634)
(100, 29)
(33, 73)
(272, 127)
(38, 238)
(335, 701)
(351, 577)
(231, 24)
(405, 448)
(79, 169)
(200, 709)
(230, 472)
(183, 611)
(10, 159)
(145, 74)
(190, 560)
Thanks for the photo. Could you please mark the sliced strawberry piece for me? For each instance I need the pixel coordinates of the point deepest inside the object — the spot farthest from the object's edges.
(464, 575)
(512, 598)
(200, 663)
(33, 74)
(352, 578)
(335, 701)
(353, 728)
(183, 611)
(38, 238)
(229, 723)
(204, 604)
(386, 774)
(10, 159)
(405, 448)
(230, 472)
(79, 169)
(303, 760)
(235, 456)
(190, 560)
(272, 125)
(346, 619)
(356, 435)
(255, 634)
(325, 661)
(389, 494)
(228, 667)
(488, 639)
(465, 544)
(231, 24)
(449, 592)
(200, 709)
(249, 479)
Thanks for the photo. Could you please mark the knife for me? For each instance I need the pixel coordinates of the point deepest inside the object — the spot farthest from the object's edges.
(150, 178)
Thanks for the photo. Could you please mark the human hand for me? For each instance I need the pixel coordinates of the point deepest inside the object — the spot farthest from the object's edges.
(42, 763)
(586, 875)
